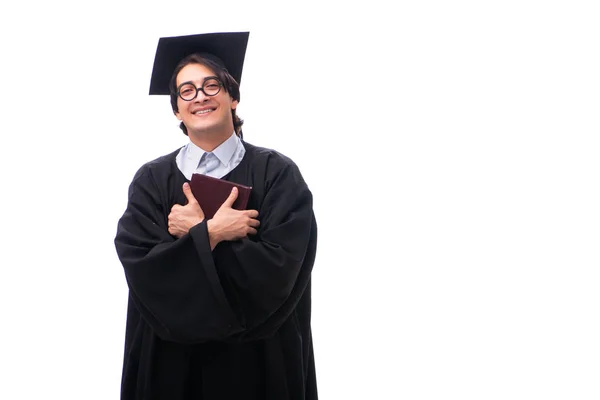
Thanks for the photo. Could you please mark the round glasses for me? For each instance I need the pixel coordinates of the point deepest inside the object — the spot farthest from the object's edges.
(210, 87)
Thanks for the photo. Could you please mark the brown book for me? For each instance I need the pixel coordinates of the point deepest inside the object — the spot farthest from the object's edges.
(211, 193)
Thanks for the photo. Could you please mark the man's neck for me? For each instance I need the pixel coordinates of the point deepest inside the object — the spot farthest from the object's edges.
(208, 141)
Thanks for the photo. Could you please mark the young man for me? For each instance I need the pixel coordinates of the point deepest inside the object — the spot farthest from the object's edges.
(218, 308)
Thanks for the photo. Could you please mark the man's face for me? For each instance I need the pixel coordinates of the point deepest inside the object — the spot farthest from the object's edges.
(204, 114)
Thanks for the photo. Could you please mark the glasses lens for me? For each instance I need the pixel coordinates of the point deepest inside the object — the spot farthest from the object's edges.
(187, 91)
(211, 87)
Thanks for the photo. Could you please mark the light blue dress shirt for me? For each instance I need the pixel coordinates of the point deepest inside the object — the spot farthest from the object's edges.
(218, 163)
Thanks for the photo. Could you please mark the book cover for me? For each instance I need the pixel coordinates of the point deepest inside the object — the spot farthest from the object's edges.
(212, 192)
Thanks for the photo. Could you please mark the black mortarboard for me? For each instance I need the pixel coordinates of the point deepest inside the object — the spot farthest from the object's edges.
(228, 49)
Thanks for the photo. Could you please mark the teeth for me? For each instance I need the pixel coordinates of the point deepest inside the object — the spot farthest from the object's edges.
(202, 111)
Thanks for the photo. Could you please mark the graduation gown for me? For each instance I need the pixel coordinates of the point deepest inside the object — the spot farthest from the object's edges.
(232, 323)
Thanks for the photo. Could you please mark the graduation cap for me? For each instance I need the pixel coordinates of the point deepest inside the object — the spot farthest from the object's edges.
(227, 49)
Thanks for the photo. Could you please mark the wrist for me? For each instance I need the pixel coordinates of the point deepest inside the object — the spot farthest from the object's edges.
(214, 235)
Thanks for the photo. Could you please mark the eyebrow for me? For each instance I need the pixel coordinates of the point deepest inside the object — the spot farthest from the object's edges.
(203, 80)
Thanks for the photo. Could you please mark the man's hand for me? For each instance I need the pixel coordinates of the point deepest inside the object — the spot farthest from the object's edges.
(231, 224)
(182, 218)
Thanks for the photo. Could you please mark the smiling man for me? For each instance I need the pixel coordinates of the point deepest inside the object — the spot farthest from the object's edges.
(218, 308)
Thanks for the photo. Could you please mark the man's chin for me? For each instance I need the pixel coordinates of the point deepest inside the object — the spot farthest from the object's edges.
(209, 130)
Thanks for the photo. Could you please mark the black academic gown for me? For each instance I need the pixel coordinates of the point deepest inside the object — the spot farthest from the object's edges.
(233, 323)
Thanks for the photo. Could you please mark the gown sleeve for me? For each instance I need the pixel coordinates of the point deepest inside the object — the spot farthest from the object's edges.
(265, 276)
(172, 282)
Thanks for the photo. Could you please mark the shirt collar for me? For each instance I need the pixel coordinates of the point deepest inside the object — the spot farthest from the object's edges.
(224, 152)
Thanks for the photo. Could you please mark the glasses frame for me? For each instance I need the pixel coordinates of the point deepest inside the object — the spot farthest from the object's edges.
(200, 89)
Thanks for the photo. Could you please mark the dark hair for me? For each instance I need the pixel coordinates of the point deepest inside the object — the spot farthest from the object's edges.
(229, 84)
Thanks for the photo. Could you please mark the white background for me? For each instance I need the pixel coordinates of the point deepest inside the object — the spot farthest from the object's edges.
(451, 147)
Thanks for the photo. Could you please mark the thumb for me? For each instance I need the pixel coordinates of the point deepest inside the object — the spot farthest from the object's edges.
(231, 199)
(187, 190)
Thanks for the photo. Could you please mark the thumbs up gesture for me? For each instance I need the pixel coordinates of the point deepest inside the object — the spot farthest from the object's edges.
(231, 224)
(182, 218)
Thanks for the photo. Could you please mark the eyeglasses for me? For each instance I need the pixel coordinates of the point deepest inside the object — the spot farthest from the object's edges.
(210, 87)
